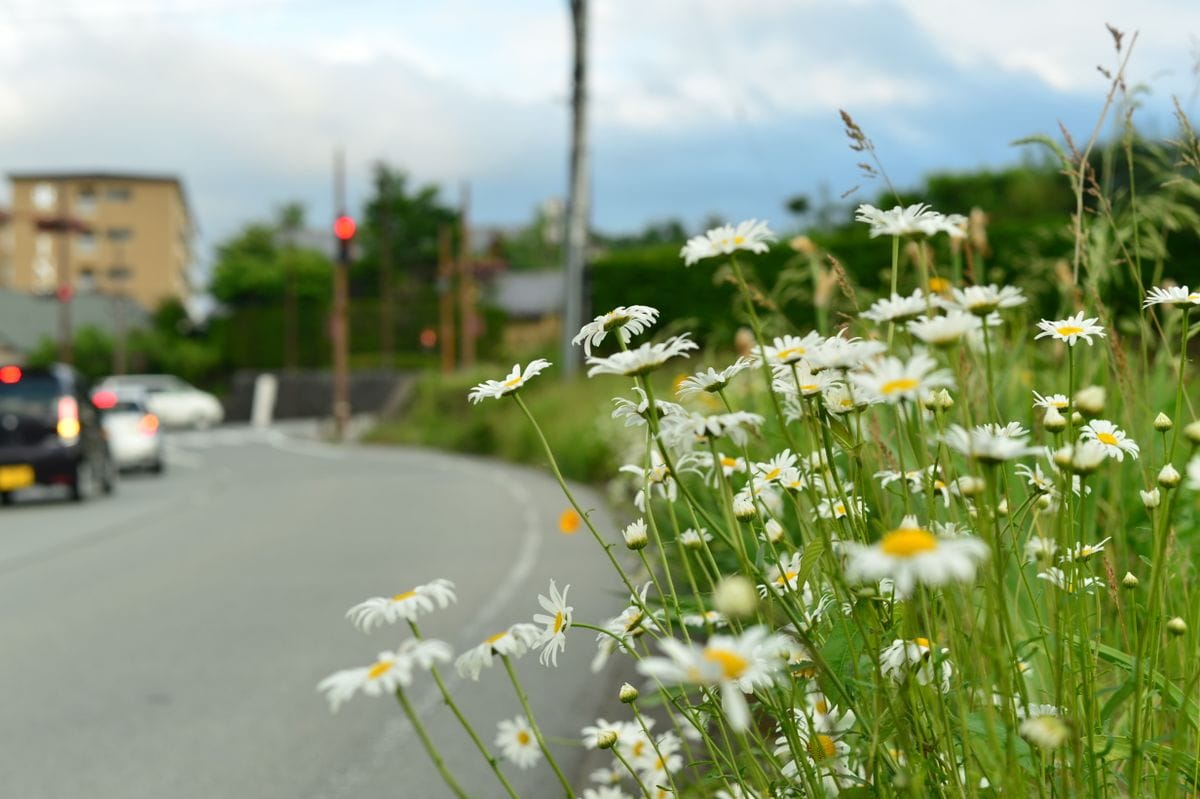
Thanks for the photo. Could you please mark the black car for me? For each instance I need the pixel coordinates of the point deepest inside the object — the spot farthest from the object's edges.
(50, 433)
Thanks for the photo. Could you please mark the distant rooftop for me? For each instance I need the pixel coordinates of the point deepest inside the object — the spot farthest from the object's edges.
(146, 177)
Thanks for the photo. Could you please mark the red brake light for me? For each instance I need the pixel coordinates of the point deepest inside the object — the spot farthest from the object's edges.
(148, 424)
(10, 374)
(68, 418)
(104, 399)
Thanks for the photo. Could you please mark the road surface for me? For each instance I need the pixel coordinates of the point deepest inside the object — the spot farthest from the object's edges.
(166, 642)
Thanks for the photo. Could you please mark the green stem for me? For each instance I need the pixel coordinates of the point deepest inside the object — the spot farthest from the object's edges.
(537, 733)
(430, 749)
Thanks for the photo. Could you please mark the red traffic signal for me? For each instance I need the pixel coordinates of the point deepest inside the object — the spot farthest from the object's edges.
(344, 227)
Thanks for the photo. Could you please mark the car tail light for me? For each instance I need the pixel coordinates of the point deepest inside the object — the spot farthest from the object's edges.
(10, 374)
(104, 400)
(68, 419)
(149, 424)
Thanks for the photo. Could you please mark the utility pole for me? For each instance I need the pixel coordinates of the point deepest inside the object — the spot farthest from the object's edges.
(445, 290)
(338, 324)
(387, 294)
(118, 275)
(466, 282)
(577, 197)
(291, 222)
(63, 292)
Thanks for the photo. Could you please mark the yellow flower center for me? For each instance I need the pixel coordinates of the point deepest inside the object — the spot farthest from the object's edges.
(839, 509)
(404, 596)
(728, 462)
(924, 642)
(732, 664)
(908, 542)
(522, 738)
(938, 284)
(1069, 330)
(809, 387)
(739, 240)
(512, 382)
(902, 384)
(788, 352)
(821, 747)
(786, 578)
(379, 669)
(496, 637)
(558, 622)
(821, 707)
(771, 475)
(638, 747)
(1107, 438)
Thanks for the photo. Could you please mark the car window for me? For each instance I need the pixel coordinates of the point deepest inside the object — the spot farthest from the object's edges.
(32, 395)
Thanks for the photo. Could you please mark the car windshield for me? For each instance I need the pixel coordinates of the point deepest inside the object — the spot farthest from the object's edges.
(31, 395)
(127, 406)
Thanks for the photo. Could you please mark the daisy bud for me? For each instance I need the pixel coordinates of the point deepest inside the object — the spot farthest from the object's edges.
(1129, 581)
(1168, 476)
(1054, 421)
(1077, 418)
(635, 535)
(1002, 507)
(773, 530)
(1062, 457)
(743, 507)
(970, 486)
(1151, 498)
(1044, 502)
(939, 400)
(1177, 627)
(1192, 432)
(1087, 456)
(628, 694)
(1047, 732)
(736, 597)
(1090, 400)
(606, 739)
(1163, 423)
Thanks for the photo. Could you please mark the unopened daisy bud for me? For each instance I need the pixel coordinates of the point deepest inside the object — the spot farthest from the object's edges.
(1077, 419)
(627, 694)
(736, 597)
(1054, 421)
(1151, 498)
(970, 486)
(606, 739)
(939, 400)
(1168, 476)
(1130, 581)
(1047, 732)
(743, 507)
(1177, 627)
(773, 531)
(1087, 456)
(635, 535)
(1002, 507)
(1062, 457)
(1163, 423)
(1044, 502)
(1191, 432)
(1090, 400)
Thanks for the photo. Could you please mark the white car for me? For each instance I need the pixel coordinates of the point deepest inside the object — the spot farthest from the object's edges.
(134, 433)
(175, 402)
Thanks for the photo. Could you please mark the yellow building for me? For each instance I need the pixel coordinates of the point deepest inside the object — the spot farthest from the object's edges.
(98, 231)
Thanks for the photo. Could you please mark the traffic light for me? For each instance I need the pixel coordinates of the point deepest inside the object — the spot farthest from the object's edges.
(343, 228)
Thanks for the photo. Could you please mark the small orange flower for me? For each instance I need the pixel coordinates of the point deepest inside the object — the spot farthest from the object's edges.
(568, 522)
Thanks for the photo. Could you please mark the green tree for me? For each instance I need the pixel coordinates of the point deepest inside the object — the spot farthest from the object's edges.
(251, 269)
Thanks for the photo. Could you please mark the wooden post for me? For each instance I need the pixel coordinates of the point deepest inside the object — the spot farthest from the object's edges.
(445, 290)
(466, 284)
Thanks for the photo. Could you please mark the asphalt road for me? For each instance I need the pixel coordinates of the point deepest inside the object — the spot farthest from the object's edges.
(166, 642)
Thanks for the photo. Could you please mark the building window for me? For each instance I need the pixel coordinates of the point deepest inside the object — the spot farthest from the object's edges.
(85, 203)
(86, 242)
(118, 194)
(87, 279)
(119, 234)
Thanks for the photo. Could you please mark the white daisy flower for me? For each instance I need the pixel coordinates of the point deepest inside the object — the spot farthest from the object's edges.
(1058, 402)
(751, 235)
(1083, 552)
(902, 659)
(495, 389)
(919, 481)
(912, 220)
(840, 352)
(644, 359)
(623, 628)
(591, 734)
(737, 665)
(988, 443)
(1113, 438)
(605, 791)
(687, 430)
(708, 617)
(1040, 550)
(837, 507)
(944, 331)
(625, 322)
(408, 605)
(516, 741)
(513, 642)
(786, 350)
(911, 555)
(1071, 583)
(635, 414)
(695, 539)
(982, 300)
(609, 776)
(771, 471)
(1171, 295)
(711, 380)
(391, 670)
(1045, 731)
(783, 576)
(838, 399)
(1193, 473)
(1071, 329)
(556, 624)
(897, 308)
(662, 760)
(895, 380)
(656, 479)
(799, 380)
(820, 728)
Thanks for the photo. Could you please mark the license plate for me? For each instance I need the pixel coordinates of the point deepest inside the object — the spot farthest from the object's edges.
(14, 477)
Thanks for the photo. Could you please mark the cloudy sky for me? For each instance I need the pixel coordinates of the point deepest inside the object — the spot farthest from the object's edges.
(700, 106)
